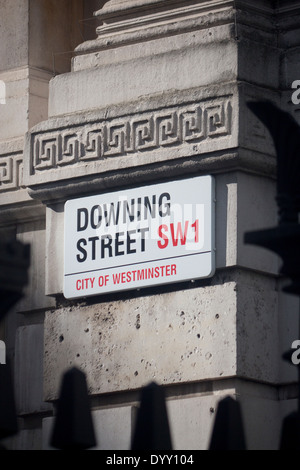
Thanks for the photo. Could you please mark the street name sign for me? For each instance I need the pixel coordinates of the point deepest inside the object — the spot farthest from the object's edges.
(139, 237)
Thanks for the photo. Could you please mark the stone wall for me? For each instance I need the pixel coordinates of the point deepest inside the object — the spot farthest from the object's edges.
(159, 94)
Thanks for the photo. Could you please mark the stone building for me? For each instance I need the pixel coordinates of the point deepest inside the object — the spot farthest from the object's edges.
(103, 97)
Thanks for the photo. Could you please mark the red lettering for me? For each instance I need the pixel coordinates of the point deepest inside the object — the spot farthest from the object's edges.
(195, 225)
(165, 243)
(82, 284)
(179, 234)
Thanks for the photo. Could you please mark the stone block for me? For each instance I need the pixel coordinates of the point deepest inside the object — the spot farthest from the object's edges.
(14, 113)
(29, 349)
(12, 34)
(253, 135)
(259, 60)
(191, 420)
(25, 101)
(258, 351)
(112, 426)
(261, 415)
(188, 65)
(50, 46)
(47, 428)
(33, 233)
(11, 162)
(256, 210)
(176, 337)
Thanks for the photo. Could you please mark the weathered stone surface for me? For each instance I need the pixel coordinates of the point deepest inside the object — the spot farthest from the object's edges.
(192, 418)
(145, 76)
(171, 338)
(261, 416)
(29, 370)
(192, 335)
(33, 233)
(11, 164)
(112, 426)
(257, 328)
(16, 54)
(255, 211)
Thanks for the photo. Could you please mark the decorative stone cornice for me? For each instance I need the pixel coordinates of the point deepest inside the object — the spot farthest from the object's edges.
(98, 143)
(125, 22)
(119, 11)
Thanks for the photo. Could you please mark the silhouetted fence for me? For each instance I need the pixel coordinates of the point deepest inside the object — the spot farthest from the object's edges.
(73, 426)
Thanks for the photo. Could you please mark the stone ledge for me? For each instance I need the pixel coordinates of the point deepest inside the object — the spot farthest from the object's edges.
(151, 27)
(167, 135)
(168, 128)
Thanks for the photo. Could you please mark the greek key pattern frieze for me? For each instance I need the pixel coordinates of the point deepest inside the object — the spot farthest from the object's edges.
(132, 135)
(11, 172)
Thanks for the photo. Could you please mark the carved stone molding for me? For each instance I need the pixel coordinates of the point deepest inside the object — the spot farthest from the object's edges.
(11, 166)
(11, 169)
(84, 145)
(127, 22)
(100, 140)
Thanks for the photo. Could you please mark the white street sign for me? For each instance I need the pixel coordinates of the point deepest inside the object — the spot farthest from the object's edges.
(140, 237)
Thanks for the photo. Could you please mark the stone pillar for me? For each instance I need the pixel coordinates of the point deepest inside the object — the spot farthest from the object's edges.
(31, 34)
(159, 95)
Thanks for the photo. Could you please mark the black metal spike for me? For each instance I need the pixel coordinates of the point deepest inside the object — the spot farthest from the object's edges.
(152, 431)
(8, 415)
(73, 428)
(290, 432)
(228, 430)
